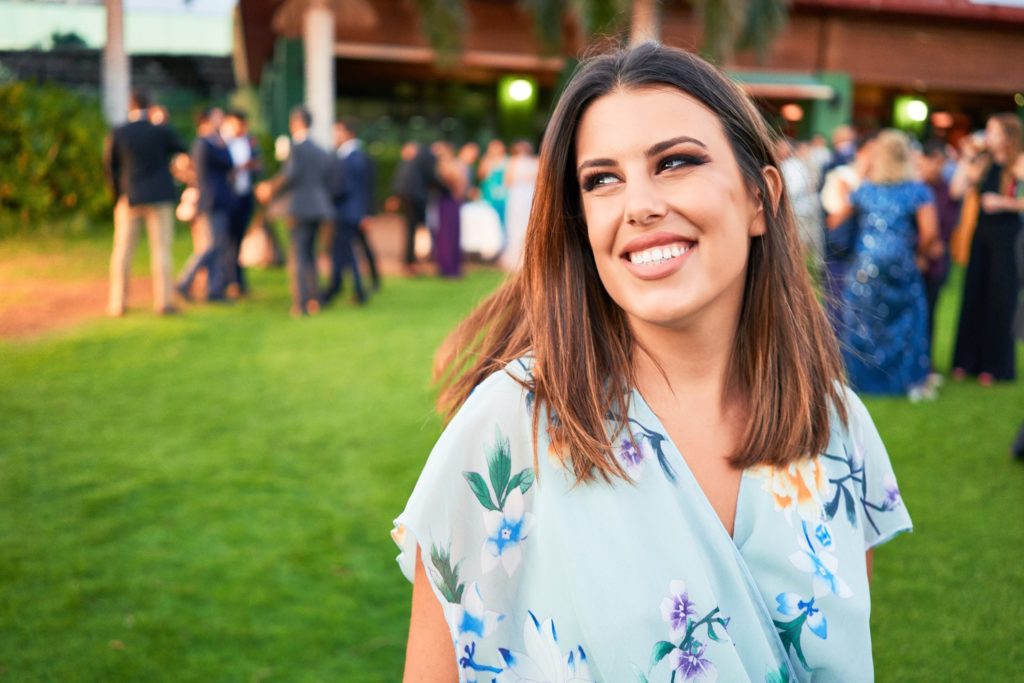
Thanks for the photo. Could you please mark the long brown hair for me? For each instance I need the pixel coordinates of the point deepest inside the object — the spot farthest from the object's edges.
(1014, 148)
(785, 360)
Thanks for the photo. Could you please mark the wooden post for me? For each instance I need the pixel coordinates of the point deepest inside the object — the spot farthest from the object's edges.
(645, 24)
(116, 75)
(318, 41)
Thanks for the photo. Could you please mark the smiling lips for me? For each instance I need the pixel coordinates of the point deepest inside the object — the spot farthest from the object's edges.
(658, 255)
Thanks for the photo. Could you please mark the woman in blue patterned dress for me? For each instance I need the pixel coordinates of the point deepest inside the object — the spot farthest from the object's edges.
(884, 332)
(652, 470)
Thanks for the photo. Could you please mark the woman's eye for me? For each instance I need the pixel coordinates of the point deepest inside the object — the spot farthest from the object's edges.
(679, 161)
(596, 180)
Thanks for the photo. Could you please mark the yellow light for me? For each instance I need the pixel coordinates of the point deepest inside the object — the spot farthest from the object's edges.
(1019, 99)
(520, 90)
(917, 110)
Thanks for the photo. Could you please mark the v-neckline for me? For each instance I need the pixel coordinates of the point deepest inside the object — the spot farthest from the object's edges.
(642, 403)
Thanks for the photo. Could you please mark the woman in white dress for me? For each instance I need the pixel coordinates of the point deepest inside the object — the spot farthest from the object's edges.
(520, 178)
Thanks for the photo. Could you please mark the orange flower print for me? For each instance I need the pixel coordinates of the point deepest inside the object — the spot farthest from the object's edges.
(799, 486)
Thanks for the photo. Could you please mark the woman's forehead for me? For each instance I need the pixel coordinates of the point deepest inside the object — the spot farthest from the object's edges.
(641, 115)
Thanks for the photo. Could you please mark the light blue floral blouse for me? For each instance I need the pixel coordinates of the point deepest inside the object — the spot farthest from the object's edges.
(544, 580)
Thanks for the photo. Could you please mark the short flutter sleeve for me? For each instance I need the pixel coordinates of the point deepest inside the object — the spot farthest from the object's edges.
(882, 510)
(471, 515)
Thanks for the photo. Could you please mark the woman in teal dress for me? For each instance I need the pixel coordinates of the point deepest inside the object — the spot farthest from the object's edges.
(652, 471)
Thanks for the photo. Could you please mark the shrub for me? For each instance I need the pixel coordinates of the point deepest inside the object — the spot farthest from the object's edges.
(51, 160)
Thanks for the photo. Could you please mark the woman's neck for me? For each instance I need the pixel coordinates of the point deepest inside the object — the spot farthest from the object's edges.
(690, 366)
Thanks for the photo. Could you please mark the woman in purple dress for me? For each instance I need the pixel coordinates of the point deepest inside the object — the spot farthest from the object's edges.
(454, 177)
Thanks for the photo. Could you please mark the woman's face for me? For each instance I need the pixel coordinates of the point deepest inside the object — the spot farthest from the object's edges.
(995, 137)
(668, 213)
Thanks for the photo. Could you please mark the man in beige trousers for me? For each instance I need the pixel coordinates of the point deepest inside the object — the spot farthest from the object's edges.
(137, 158)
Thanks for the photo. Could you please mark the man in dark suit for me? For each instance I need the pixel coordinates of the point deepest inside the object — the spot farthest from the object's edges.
(137, 158)
(246, 157)
(352, 193)
(304, 185)
(212, 164)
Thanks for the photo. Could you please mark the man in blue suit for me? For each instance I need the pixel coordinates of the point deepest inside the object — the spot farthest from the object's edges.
(352, 195)
(303, 184)
(212, 163)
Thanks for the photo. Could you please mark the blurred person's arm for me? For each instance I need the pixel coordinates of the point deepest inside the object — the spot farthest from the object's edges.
(993, 202)
(870, 561)
(930, 247)
(845, 209)
(968, 171)
(429, 653)
(112, 165)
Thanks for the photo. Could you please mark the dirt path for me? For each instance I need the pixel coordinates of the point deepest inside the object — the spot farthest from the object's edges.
(33, 301)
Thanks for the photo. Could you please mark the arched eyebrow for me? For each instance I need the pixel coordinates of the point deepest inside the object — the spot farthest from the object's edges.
(659, 147)
(654, 150)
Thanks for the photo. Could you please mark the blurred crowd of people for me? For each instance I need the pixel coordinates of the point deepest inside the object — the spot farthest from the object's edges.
(473, 205)
(881, 217)
(454, 203)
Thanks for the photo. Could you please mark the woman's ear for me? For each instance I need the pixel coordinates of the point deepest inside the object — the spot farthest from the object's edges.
(773, 181)
(773, 185)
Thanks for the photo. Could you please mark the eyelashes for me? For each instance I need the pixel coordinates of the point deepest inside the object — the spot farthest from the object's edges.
(596, 179)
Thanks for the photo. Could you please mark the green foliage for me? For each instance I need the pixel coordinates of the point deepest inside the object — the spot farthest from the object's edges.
(443, 22)
(67, 41)
(51, 141)
(764, 21)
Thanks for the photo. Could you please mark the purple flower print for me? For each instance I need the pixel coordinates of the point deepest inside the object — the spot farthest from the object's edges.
(677, 608)
(892, 498)
(633, 453)
(691, 664)
(630, 453)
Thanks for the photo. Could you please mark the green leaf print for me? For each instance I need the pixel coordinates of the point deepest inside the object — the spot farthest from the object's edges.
(780, 675)
(499, 466)
(480, 490)
(446, 575)
(789, 634)
(523, 480)
(661, 648)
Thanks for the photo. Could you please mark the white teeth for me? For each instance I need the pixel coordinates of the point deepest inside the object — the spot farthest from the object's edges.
(658, 254)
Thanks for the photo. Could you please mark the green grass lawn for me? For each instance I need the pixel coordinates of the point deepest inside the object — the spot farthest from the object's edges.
(208, 498)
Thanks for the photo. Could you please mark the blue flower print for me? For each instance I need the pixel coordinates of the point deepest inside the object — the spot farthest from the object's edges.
(791, 604)
(805, 614)
(471, 617)
(506, 531)
(472, 622)
(505, 518)
(822, 564)
(543, 659)
(823, 534)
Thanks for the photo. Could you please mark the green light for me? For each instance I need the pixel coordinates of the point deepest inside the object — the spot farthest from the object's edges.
(917, 110)
(520, 90)
(909, 113)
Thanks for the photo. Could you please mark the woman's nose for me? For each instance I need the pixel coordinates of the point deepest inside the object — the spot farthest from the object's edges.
(644, 202)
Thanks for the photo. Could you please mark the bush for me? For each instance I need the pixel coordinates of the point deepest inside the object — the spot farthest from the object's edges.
(51, 147)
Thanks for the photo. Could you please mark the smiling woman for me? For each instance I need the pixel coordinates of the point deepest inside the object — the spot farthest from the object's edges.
(652, 470)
